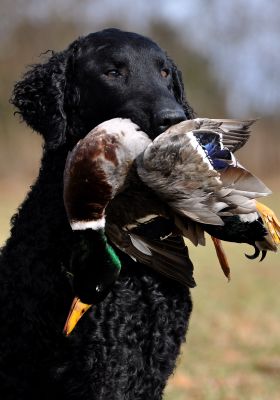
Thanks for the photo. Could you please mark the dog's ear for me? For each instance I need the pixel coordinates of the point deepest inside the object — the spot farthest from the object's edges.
(39, 97)
(179, 91)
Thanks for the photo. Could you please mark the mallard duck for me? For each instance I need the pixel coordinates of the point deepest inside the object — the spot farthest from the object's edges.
(100, 175)
(145, 197)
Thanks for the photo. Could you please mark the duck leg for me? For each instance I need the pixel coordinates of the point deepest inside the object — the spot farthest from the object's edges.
(221, 256)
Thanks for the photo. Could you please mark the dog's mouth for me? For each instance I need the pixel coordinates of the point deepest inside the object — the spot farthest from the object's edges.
(153, 124)
(145, 120)
(144, 123)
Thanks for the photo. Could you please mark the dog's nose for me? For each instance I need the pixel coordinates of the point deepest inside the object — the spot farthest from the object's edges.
(166, 118)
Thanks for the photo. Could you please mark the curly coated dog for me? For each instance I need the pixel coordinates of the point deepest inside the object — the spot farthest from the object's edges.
(126, 347)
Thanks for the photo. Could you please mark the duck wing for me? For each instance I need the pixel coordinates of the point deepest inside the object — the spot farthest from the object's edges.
(197, 175)
(177, 168)
(167, 255)
(144, 227)
(233, 133)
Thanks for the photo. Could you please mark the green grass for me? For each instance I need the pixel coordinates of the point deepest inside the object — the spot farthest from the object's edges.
(233, 344)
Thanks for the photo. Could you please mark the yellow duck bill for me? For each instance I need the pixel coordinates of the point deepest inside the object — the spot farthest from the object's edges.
(77, 310)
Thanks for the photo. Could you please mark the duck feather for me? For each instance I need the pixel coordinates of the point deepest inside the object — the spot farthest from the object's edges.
(185, 182)
(234, 133)
(168, 256)
(101, 182)
(197, 175)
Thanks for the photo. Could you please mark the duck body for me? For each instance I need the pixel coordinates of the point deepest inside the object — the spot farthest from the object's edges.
(146, 196)
(97, 169)
(101, 176)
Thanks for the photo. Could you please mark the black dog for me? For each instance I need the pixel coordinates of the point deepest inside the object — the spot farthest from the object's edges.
(127, 346)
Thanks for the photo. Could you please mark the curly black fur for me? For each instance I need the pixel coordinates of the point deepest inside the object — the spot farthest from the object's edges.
(126, 347)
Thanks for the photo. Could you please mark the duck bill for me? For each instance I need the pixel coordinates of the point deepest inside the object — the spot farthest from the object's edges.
(77, 310)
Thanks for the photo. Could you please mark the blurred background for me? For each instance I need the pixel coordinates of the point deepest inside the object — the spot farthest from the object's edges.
(229, 54)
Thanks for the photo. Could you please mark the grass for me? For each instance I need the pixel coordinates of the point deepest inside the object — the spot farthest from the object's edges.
(233, 344)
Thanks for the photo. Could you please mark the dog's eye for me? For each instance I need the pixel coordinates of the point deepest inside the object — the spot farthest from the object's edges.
(165, 72)
(113, 73)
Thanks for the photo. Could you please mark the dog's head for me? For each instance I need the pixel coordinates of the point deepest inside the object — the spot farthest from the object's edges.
(106, 74)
